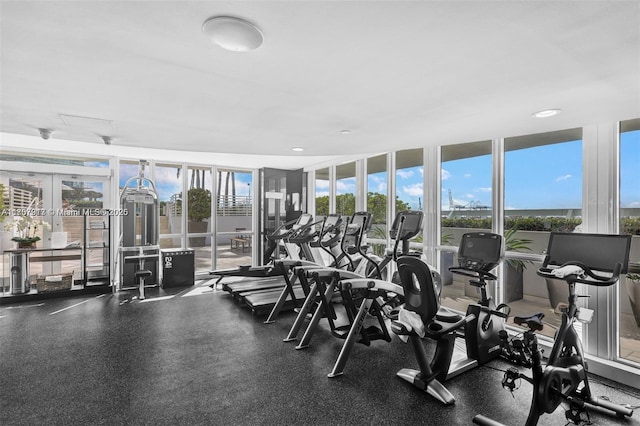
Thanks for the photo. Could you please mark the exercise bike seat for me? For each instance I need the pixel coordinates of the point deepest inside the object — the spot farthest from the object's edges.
(446, 315)
(534, 322)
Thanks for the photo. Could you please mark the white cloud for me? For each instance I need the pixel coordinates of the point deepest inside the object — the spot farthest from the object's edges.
(467, 175)
(421, 170)
(167, 175)
(322, 194)
(565, 177)
(484, 189)
(322, 184)
(404, 174)
(470, 196)
(415, 190)
(382, 187)
(343, 187)
(445, 174)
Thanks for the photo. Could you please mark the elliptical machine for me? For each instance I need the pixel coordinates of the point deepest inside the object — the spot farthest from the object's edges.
(591, 259)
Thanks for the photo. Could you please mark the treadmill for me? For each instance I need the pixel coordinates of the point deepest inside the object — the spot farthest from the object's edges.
(268, 270)
(286, 297)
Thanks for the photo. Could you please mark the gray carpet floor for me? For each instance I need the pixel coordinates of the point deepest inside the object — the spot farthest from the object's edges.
(190, 356)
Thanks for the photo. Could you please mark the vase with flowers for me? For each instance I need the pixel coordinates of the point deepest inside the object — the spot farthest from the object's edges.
(25, 230)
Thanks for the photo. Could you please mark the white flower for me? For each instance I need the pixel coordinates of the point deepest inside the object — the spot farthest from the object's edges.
(26, 226)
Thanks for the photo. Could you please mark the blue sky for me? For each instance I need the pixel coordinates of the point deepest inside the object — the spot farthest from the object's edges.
(543, 177)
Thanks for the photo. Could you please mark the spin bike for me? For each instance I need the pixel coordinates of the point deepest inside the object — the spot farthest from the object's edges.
(591, 259)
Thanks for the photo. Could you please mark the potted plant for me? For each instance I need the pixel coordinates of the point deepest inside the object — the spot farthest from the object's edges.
(25, 230)
(633, 291)
(514, 268)
(199, 200)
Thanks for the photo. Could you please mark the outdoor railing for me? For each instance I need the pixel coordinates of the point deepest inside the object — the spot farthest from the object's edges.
(239, 205)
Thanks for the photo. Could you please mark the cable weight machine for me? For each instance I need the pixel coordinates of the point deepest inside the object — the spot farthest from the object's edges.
(139, 251)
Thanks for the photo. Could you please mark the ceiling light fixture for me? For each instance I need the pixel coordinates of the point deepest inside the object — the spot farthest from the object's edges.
(547, 113)
(232, 33)
(297, 149)
(345, 131)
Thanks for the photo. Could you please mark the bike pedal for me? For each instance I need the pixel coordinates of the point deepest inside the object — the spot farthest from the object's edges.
(509, 381)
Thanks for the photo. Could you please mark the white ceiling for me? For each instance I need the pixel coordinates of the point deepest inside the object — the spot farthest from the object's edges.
(398, 74)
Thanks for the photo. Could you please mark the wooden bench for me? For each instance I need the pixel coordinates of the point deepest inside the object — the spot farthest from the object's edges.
(237, 242)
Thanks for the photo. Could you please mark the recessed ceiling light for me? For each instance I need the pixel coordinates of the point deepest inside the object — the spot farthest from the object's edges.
(232, 33)
(297, 149)
(547, 113)
(345, 131)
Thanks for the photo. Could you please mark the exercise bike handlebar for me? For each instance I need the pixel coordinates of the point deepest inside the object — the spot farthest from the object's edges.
(588, 276)
(473, 273)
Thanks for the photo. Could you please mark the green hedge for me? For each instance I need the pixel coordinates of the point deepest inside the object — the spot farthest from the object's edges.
(628, 225)
(521, 223)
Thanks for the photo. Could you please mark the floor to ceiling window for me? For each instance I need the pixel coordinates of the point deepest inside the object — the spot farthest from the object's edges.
(234, 218)
(629, 286)
(377, 201)
(409, 187)
(346, 189)
(542, 193)
(409, 179)
(168, 180)
(322, 185)
(199, 215)
(466, 188)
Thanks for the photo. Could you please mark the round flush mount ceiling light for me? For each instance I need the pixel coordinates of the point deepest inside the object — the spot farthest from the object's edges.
(547, 113)
(297, 149)
(232, 33)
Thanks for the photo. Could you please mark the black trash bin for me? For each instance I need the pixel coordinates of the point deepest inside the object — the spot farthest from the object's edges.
(178, 267)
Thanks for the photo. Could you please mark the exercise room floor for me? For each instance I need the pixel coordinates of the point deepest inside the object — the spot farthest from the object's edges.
(193, 356)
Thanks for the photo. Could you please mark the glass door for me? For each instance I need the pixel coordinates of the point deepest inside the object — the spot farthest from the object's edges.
(46, 231)
(234, 218)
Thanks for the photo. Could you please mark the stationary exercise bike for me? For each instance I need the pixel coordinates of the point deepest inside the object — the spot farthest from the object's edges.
(478, 254)
(591, 259)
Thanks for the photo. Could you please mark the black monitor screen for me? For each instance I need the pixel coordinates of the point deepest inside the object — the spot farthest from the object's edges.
(481, 247)
(411, 226)
(600, 252)
(361, 219)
